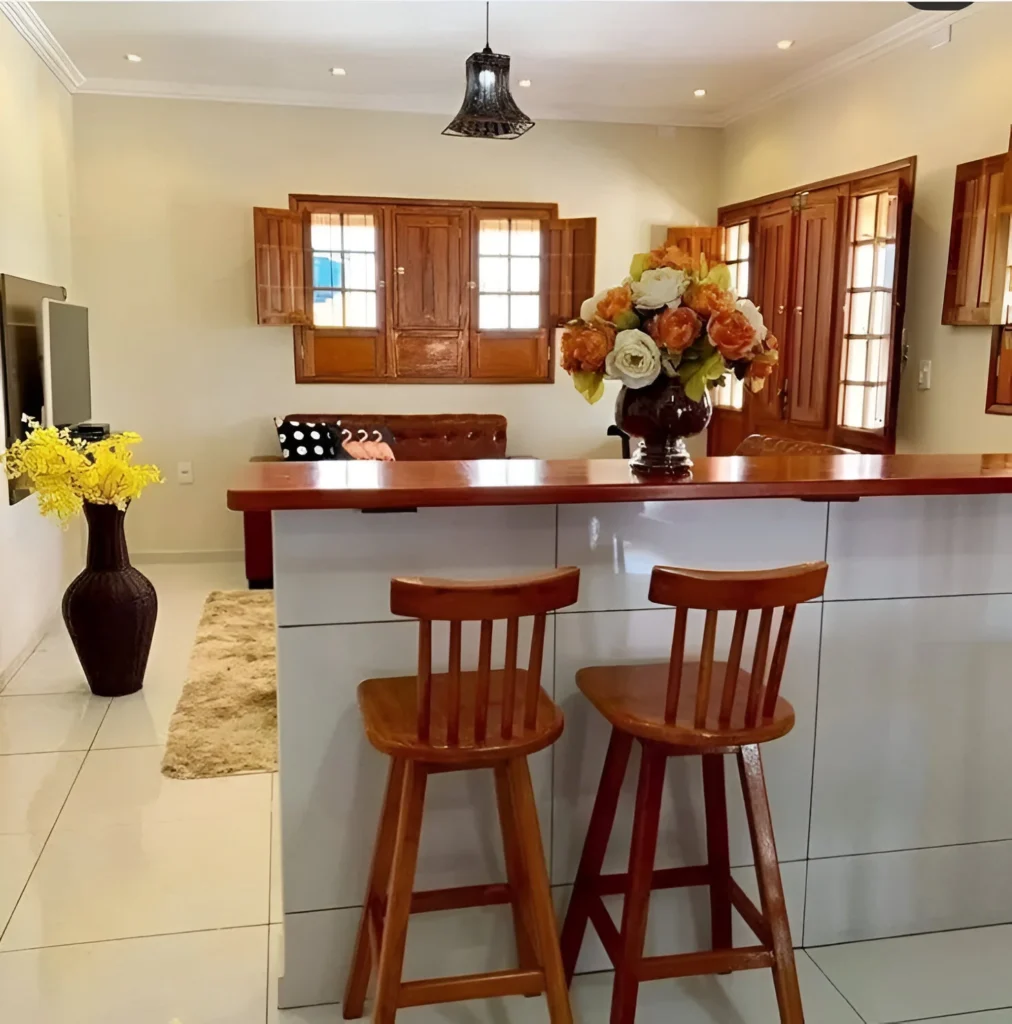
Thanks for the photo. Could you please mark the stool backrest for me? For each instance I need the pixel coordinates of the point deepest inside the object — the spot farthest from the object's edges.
(484, 601)
(741, 592)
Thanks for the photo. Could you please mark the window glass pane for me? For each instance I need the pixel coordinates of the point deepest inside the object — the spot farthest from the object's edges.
(493, 237)
(361, 270)
(732, 269)
(864, 221)
(359, 233)
(875, 408)
(493, 312)
(857, 350)
(359, 309)
(326, 270)
(493, 274)
(729, 395)
(325, 231)
(875, 346)
(525, 238)
(860, 304)
(853, 406)
(525, 274)
(328, 309)
(731, 243)
(864, 256)
(880, 310)
(885, 260)
(525, 311)
(743, 241)
(742, 286)
(887, 216)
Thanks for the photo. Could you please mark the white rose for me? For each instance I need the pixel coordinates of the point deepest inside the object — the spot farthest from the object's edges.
(753, 316)
(589, 308)
(635, 360)
(664, 286)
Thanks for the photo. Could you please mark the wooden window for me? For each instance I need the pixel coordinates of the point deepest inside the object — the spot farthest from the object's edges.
(387, 290)
(736, 254)
(871, 263)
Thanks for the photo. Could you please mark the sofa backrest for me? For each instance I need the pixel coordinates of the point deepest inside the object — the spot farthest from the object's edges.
(429, 438)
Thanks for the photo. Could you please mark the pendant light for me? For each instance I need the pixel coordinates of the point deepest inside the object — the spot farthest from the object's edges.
(489, 110)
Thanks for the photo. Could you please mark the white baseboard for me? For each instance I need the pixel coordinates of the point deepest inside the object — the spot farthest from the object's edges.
(183, 557)
(8, 672)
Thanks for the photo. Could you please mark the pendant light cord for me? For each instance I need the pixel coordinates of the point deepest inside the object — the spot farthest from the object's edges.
(488, 49)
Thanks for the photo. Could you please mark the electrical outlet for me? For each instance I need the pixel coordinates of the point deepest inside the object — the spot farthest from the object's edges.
(184, 473)
(924, 375)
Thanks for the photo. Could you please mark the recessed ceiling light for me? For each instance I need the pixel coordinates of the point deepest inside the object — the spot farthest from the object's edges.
(699, 92)
(338, 71)
(524, 83)
(133, 58)
(785, 44)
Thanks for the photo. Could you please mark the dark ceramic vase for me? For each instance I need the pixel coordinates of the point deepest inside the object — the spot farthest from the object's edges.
(110, 609)
(661, 415)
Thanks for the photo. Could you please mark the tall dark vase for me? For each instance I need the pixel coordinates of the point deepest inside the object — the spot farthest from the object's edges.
(661, 415)
(110, 609)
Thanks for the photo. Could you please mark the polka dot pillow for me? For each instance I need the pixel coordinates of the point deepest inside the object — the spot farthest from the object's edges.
(305, 442)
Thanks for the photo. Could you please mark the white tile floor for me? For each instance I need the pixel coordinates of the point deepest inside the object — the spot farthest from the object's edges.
(128, 898)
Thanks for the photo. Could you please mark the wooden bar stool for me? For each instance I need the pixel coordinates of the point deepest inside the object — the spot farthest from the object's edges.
(672, 710)
(458, 721)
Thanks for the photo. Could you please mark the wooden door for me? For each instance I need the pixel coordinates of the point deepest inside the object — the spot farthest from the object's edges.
(772, 248)
(430, 260)
(813, 318)
(280, 267)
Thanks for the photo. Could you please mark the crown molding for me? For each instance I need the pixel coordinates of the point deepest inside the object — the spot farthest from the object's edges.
(36, 33)
(915, 27)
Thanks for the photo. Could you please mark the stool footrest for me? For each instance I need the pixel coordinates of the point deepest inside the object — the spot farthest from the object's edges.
(709, 961)
(663, 878)
(516, 982)
(460, 898)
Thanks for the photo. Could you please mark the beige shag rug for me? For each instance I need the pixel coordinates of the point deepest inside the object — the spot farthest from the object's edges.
(226, 720)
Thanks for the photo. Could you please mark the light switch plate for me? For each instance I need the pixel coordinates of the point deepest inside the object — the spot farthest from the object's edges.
(924, 375)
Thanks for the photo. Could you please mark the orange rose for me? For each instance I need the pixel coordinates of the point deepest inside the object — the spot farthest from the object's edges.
(732, 334)
(671, 256)
(707, 299)
(615, 301)
(586, 346)
(675, 329)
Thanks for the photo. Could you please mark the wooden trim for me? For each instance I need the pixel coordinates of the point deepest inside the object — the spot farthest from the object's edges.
(270, 486)
(995, 369)
(733, 209)
(550, 210)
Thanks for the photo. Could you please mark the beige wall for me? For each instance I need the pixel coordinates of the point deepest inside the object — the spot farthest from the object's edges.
(945, 106)
(35, 193)
(164, 251)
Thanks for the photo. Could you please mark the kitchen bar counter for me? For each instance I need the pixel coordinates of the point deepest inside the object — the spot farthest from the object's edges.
(889, 798)
(273, 486)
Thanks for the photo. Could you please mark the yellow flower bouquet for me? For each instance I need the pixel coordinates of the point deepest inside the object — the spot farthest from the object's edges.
(67, 472)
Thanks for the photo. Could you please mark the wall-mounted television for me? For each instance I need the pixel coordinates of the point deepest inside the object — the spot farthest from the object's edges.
(66, 366)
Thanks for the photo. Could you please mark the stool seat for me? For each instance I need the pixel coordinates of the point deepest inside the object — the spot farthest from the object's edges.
(389, 709)
(632, 698)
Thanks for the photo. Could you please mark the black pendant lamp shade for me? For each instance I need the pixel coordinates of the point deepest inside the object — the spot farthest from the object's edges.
(489, 110)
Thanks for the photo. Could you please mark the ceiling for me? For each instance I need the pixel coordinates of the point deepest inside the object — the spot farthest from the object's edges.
(634, 61)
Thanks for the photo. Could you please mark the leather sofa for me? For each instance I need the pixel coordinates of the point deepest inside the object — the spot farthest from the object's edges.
(421, 438)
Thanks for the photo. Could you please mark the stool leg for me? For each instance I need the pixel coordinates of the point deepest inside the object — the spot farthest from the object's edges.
(538, 890)
(395, 926)
(602, 821)
(522, 926)
(379, 877)
(641, 870)
(718, 855)
(771, 892)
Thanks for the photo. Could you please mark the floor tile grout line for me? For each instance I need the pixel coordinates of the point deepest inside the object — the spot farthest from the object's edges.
(836, 988)
(132, 938)
(907, 935)
(49, 834)
(952, 1016)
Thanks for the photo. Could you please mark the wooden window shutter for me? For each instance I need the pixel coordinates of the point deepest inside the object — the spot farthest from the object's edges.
(572, 250)
(1005, 206)
(694, 241)
(278, 238)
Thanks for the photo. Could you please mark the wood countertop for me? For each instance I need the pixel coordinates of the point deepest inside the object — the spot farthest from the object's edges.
(277, 486)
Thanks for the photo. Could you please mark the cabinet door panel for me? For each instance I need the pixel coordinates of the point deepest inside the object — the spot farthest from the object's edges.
(430, 257)
(418, 355)
(773, 270)
(811, 343)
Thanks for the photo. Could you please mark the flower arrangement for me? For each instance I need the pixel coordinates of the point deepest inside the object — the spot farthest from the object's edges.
(66, 472)
(672, 315)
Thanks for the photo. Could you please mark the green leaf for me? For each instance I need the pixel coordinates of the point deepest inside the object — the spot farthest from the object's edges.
(640, 262)
(696, 374)
(589, 384)
(627, 320)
